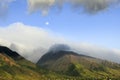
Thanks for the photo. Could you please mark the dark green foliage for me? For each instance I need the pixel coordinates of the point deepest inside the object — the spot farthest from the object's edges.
(97, 67)
(73, 71)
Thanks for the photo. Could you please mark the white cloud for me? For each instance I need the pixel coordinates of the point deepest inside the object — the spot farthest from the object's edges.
(42, 5)
(90, 6)
(32, 42)
(98, 52)
(27, 39)
(28, 35)
(4, 7)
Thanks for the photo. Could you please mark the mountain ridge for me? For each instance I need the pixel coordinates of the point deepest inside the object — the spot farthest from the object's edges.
(13, 54)
(68, 67)
(63, 61)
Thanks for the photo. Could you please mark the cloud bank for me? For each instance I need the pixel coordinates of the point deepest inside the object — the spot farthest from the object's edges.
(89, 6)
(32, 42)
(29, 41)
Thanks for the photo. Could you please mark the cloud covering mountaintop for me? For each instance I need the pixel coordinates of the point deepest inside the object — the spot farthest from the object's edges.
(27, 39)
(32, 42)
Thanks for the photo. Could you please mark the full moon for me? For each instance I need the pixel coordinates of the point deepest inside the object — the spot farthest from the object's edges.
(47, 23)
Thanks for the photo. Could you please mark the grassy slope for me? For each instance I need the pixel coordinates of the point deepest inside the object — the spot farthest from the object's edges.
(83, 67)
(15, 70)
(25, 70)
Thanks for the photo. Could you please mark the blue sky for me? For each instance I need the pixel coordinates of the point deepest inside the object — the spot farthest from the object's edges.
(100, 29)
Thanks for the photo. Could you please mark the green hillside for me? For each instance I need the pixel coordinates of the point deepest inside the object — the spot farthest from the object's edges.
(14, 70)
(80, 66)
(70, 66)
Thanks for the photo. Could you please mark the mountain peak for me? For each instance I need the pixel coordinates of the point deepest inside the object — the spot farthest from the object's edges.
(59, 47)
(62, 60)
